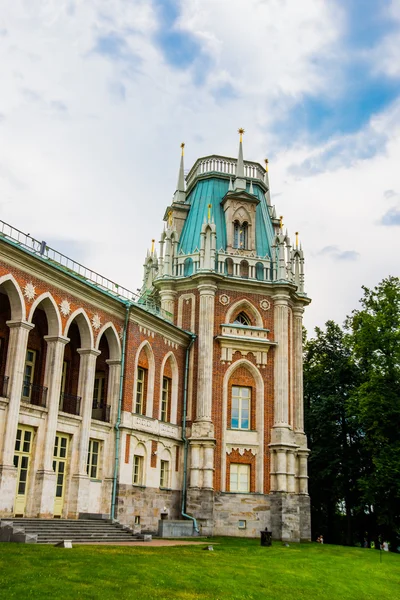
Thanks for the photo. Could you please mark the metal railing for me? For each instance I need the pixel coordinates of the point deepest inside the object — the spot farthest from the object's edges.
(41, 249)
(101, 412)
(4, 386)
(70, 404)
(34, 394)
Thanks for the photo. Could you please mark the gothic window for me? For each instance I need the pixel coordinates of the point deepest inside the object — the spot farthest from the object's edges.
(164, 473)
(240, 411)
(165, 399)
(242, 319)
(229, 266)
(260, 271)
(188, 267)
(141, 385)
(138, 469)
(244, 269)
(240, 235)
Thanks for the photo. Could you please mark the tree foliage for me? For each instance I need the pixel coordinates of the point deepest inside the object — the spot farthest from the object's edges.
(352, 412)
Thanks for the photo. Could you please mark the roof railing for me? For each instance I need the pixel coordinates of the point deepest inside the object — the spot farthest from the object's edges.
(41, 249)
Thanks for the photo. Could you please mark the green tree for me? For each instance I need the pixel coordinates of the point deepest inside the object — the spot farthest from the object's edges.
(375, 342)
(330, 376)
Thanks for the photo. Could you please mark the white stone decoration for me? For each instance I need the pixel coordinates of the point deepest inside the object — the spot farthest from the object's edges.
(96, 322)
(29, 291)
(265, 304)
(121, 333)
(65, 308)
(224, 299)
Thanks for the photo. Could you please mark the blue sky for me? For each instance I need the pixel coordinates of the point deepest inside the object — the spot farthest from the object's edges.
(97, 97)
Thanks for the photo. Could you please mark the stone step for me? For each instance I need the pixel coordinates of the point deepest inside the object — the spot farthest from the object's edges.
(52, 531)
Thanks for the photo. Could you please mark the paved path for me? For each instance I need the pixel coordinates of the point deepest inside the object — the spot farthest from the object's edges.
(144, 544)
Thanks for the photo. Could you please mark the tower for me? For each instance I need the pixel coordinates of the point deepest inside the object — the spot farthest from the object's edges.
(228, 273)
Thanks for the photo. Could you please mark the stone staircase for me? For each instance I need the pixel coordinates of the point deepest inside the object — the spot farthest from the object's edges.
(53, 531)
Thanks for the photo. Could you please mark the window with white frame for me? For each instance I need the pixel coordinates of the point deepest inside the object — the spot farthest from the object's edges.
(239, 478)
(138, 469)
(93, 461)
(166, 384)
(164, 473)
(240, 410)
(140, 390)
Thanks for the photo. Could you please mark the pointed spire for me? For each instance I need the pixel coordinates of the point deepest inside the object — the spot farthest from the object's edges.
(180, 194)
(266, 181)
(251, 191)
(240, 182)
(297, 240)
(230, 185)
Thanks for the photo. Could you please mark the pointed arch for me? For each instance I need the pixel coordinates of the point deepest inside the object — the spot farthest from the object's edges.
(139, 464)
(113, 340)
(248, 308)
(174, 386)
(52, 313)
(146, 347)
(84, 326)
(259, 403)
(15, 297)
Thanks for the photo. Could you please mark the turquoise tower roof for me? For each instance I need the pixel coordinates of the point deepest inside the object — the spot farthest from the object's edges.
(211, 190)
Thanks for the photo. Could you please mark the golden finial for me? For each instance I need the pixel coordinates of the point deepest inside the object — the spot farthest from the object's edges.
(183, 148)
(281, 222)
(266, 164)
(209, 213)
(170, 218)
(241, 132)
(297, 239)
(152, 246)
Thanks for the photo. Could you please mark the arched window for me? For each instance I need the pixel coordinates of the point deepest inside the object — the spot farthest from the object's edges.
(244, 269)
(242, 319)
(229, 266)
(240, 235)
(188, 267)
(259, 271)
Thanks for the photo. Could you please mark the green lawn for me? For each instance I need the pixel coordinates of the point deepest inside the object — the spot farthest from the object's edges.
(236, 569)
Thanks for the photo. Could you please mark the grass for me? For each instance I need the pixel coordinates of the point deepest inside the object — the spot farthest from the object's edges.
(237, 569)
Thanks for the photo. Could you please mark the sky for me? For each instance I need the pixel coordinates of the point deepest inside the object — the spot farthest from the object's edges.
(96, 97)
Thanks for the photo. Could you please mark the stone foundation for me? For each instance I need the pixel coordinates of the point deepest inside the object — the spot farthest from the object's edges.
(231, 509)
(290, 517)
(148, 504)
(200, 505)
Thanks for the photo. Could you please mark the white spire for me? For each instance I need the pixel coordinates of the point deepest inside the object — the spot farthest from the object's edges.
(240, 182)
(180, 194)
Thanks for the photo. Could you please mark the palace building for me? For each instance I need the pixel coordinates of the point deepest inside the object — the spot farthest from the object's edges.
(184, 402)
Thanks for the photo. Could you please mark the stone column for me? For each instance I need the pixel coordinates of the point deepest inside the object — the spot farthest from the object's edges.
(17, 345)
(208, 473)
(281, 361)
(194, 465)
(298, 420)
(80, 480)
(45, 483)
(205, 351)
(168, 303)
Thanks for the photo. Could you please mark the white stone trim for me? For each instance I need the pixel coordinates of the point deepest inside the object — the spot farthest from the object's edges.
(114, 343)
(150, 377)
(259, 399)
(244, 305)
(86, 333)
(53, 318)
(174, 384)
(13, 291)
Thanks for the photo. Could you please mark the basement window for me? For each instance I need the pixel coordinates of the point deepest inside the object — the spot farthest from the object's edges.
(242, 524)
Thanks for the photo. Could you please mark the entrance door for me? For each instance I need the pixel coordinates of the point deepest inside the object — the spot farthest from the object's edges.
(22, 460)
(60, 468)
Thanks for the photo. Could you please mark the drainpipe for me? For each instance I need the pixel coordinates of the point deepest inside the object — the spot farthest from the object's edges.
(117, 424)
(184, 438)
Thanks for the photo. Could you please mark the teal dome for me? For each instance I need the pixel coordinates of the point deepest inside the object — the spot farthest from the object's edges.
(211, 190)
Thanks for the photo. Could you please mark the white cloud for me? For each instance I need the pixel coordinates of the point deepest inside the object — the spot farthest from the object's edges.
(90, 142)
